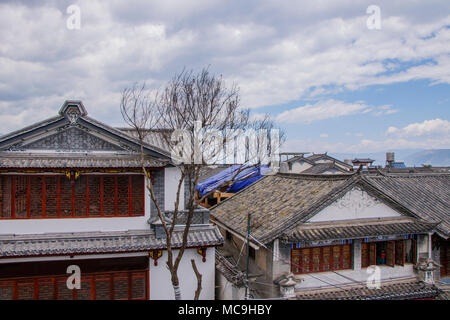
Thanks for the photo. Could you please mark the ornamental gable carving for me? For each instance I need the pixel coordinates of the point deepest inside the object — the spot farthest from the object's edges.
(355, 204)
(356, 200)
(72, 139)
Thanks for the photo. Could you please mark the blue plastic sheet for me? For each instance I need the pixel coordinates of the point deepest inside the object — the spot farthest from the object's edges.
(254, 172)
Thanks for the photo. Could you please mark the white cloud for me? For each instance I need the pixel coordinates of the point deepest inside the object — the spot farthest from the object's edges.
(364, 145)
(320, 111)
(277, 53)
(330, 109)
(430, 134)
(426, 128)
(384, 110)
(323, 135)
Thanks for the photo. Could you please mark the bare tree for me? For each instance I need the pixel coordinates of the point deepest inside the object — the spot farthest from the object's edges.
(196, 115)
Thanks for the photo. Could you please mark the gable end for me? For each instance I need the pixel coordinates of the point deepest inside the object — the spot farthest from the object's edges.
(72, 139)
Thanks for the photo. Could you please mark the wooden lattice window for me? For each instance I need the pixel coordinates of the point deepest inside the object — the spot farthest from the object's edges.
(127, 285)
(364, 255)
(394, 253)
(321, 259)
(55, 196)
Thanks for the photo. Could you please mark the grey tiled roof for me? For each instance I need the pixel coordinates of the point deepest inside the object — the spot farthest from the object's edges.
(102, 242)
(17, 160)
(321, 156)
(281, 202)
(406, 290)
(427, 195)
(278, 203)
(355, 230)
(52, 124)
(299, 158)
(323, 167)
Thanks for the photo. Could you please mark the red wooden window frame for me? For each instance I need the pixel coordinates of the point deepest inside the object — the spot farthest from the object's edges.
(19, 287)
(399, 254)
(135, 189)
(397, 259)
(297, 259)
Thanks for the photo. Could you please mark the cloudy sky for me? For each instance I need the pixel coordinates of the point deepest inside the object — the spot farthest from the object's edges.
(322, 69)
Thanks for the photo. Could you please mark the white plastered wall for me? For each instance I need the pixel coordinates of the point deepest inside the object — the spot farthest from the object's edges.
(160, 281)
(342, 277)
(355, 204)
(171, 179)
(298, 167)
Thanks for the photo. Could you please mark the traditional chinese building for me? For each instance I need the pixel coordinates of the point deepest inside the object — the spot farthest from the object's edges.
(320, 236)
(317, 163)
(72, 192)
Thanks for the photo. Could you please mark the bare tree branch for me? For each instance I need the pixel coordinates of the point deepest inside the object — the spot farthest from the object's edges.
(188, 101)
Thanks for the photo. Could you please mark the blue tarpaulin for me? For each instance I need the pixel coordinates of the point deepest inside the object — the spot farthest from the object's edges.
(398, 165)
(211, 183)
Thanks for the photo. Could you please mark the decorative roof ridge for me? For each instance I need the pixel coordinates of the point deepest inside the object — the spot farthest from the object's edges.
(362, 222)
(317, 176)
(296, 158)
(70, 104)
(92, 234)
(151, 130)
(73, 235)
(74, 155)
(31, 127)
(350, 286)
(405, 174)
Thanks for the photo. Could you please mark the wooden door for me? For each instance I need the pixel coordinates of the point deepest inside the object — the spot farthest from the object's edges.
(444, 257)
(346, 256)
(326, 256)
(305, 260)
(296, 261)
(390, 253)
(315, 260)
(364, 255)
(400, 252)
(337, 257)
(414, 250)
(372, 253)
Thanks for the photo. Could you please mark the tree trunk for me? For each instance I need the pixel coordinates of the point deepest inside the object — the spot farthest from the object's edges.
(199, 280)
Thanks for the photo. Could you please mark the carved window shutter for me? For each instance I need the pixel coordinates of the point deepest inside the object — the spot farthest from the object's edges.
(414, 250)
(372, 254)
(390, 253)
(400, 252)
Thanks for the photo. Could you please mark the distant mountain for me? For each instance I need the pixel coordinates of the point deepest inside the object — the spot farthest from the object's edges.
(411, 157)
(436, 158)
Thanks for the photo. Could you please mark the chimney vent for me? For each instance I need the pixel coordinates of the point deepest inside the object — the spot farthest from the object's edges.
(390, 157)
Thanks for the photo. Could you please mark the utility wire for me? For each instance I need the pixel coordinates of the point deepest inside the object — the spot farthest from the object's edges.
(236, 265)
(308, 274)
(297, 265)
